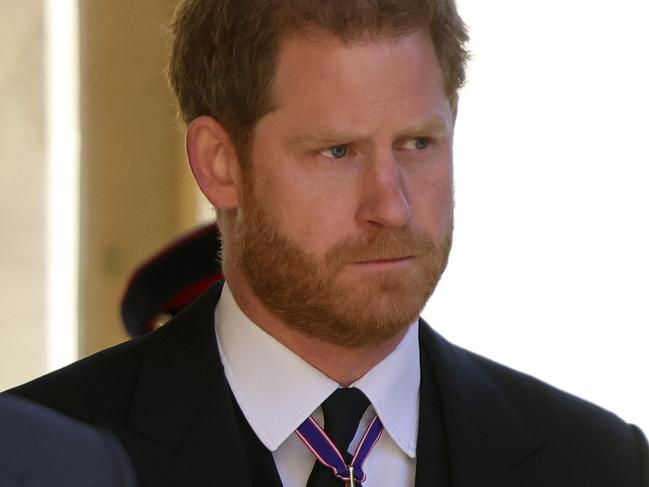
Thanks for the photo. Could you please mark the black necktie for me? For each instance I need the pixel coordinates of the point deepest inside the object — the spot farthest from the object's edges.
(342, 413)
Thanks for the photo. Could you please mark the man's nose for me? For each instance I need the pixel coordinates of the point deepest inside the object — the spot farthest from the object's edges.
(384, 199)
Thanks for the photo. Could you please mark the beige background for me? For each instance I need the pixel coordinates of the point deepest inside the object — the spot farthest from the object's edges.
(22, 199)
(136, 192)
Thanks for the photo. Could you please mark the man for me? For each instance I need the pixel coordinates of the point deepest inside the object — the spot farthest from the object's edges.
(322, 132)
(40, 447)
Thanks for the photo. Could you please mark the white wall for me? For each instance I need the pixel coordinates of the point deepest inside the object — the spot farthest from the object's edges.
(549, 272)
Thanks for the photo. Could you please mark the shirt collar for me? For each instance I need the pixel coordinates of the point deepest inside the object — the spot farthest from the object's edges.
(277, 398)
(392, 387)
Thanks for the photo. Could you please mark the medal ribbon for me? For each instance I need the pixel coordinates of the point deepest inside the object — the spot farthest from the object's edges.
(328, 455)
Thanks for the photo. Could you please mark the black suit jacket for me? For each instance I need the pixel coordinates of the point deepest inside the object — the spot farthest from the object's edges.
(165, 397)
(42, 448)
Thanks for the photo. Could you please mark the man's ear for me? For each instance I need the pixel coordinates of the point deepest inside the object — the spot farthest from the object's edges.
(214, 162)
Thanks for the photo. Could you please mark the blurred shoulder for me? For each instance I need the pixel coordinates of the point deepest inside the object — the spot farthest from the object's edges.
(42, 447)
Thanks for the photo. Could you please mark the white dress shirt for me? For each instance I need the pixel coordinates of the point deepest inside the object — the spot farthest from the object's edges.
(277, 390)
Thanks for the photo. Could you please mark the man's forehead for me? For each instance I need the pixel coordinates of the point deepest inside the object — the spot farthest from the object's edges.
(329, 80)
(326, 59)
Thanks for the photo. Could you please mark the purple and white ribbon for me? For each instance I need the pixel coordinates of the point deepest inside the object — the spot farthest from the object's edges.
(328, 455)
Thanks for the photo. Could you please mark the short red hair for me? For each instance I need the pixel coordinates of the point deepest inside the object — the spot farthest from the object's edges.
(225, 51)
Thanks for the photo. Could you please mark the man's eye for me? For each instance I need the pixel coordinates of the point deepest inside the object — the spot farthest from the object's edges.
(336, 152)
(417, 143)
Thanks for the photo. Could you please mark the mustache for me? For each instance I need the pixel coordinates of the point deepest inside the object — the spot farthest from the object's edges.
(381, 245)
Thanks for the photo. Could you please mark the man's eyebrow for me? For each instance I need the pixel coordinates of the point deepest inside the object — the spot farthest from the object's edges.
(323, 138)
(331, 137)
(436, 125)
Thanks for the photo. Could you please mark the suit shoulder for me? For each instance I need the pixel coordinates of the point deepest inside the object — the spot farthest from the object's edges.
(80, 389)
(569, 427)
(99, 388)
(557, 415)
(579, 441)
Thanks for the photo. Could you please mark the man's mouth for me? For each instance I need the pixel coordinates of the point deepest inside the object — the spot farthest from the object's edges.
(386, 261)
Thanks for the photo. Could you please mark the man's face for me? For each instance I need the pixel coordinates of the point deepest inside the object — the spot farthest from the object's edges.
(346, 216)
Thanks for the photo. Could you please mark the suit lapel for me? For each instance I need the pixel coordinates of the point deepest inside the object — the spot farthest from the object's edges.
(432, 457)
(183, 402)
(484, 437)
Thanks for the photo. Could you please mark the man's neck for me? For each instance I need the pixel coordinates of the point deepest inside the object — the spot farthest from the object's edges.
(343, 365)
